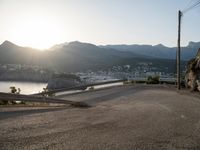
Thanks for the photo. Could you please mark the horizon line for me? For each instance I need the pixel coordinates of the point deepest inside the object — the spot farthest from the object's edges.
(141, 44)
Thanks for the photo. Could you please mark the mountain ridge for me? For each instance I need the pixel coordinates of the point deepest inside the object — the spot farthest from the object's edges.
(158, 51)
(77, 56)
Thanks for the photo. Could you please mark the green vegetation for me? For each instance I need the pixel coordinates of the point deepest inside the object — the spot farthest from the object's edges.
(3, 102)
(91, 88)
(47, 93)
(13, 90)
(129, 82)
(140, 81)
(153, 80)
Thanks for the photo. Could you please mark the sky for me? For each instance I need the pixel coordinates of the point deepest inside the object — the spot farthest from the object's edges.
(44, 23)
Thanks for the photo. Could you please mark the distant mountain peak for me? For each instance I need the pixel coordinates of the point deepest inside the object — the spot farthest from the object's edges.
(194, 44)
(160, 45)
(75, 42)
(80, 44)
(57, 46)
(8, 43)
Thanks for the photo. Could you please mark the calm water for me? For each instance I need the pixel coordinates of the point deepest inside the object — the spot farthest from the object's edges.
(26, 87)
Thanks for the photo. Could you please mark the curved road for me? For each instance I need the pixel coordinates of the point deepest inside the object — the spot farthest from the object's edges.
(127, 117)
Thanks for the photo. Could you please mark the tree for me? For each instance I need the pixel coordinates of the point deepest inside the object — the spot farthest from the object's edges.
(15, 90)
(47, 93)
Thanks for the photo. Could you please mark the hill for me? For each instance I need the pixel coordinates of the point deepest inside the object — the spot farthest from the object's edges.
(77, 56)
(159, 51)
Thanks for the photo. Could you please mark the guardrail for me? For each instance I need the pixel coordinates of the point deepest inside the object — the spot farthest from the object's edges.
(40, 99)
(83, 87)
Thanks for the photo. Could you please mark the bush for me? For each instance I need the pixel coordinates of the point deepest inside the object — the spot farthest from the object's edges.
(3, 102)
(129, 82)
(91, 88)
(14, 90)
(47, 93)
(153, 80)
(140, 81)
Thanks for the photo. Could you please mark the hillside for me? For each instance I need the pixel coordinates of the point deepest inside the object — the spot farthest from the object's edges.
(77, 56)
(159, 51)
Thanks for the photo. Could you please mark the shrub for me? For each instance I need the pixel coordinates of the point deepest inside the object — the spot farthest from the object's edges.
(47, 93)
(129, 82)
(3, 102)
(153, 80)
(91, 88)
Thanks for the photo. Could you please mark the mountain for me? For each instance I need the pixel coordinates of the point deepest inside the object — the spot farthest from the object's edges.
(190, 50)
(159, 51)
(82, 56)
(74, 56)
(77, 56)
(14, 54)
(57, 46)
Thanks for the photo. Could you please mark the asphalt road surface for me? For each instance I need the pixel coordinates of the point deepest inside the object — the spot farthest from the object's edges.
(121, 118)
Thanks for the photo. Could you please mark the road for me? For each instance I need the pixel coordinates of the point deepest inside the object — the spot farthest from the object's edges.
(124, 118)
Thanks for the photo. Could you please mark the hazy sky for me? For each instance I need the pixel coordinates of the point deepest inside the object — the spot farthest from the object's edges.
(43, 23)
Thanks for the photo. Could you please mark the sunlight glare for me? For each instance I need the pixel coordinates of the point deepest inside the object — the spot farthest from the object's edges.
(37, 32)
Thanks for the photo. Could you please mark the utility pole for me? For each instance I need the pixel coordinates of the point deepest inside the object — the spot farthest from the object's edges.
(179, 51)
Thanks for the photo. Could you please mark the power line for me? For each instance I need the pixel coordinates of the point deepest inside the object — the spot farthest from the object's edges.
(191, 7)
(188, 4)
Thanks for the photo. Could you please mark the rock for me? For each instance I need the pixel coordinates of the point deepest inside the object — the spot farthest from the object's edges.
(198, 85)
(192, 77)
(192, 80)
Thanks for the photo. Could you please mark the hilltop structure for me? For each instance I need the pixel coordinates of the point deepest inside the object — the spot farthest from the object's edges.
(192, 78)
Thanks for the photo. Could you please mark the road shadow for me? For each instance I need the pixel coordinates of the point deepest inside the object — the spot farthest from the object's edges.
(111, 96)
(17, 113)
(130, 90)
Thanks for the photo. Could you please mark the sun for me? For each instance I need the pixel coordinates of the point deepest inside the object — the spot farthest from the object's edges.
(37, 32)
